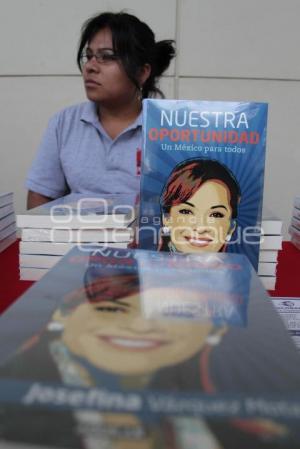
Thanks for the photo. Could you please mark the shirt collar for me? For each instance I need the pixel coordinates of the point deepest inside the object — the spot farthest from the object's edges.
(89, 115)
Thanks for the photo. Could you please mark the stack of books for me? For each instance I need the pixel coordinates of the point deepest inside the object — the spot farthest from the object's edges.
(270, 246)
(294, 229)
(51, 230)
(7, 221)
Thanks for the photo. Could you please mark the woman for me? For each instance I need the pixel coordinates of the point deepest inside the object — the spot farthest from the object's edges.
(94, 147)
(199, 205)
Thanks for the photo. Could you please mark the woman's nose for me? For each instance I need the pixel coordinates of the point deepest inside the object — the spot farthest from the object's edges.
(200, 224)
(140, 325)
(91, 65)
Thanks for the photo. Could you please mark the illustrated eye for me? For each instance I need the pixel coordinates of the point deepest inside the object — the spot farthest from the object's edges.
(217, 215)
(186, 212)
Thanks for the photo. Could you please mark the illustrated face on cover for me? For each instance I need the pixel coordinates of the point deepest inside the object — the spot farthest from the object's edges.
(203, 222)
(115, 336)
(199, 206)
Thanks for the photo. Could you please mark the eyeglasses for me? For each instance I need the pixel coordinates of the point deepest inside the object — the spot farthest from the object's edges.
(104, 56)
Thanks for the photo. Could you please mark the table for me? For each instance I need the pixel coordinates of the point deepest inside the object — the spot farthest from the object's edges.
(288, 275)
(10, 285)
(288, 272)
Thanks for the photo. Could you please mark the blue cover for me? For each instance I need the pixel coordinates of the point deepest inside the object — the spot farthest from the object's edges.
(128, 346)
(231, 133)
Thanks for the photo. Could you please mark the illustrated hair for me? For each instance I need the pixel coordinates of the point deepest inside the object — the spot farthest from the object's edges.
(134, 42)
(188, 176)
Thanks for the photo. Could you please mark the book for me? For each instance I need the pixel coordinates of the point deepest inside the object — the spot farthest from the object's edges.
(271, 242)
(6, 198)
(297, 202)
(294, 232)
(7, 241)
(38, 260)
(32, 273)
(271, 224)
(267, 268)
(85, 235)
(6, 210)
(5, 232)
(269, 282)
(296, 212)
(56, 249)
(295, 241)
(202, 176)
(295, 222)
(139, 347)
(6, 221)
(289, 310)
(79, 211)
(268, 255)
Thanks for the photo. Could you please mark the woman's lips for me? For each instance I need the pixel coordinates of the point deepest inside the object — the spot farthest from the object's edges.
(200, 242)
(91, 83)
(132, 344)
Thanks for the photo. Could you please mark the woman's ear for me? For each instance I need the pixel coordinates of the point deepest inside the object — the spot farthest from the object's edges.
(144, 74)
(231, 230)
(166, 220)
(215, 335)
(57, 322)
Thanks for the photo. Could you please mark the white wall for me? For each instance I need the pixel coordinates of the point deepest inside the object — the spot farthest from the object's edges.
(227, 50)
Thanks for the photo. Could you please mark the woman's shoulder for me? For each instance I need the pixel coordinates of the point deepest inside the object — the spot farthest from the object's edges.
(74, 112)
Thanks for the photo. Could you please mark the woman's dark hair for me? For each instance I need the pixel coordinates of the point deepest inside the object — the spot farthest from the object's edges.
(134, 42)
(189, 175)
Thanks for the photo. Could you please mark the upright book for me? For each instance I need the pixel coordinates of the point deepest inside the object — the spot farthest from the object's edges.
(202, 176)
(140, 349)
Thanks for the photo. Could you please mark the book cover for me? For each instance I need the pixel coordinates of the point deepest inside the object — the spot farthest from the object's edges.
(148, 349)
(202, 176)
(80, 211)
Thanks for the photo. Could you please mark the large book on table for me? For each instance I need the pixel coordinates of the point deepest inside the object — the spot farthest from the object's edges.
(137, 348)
(202, 176)
(81, 211)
